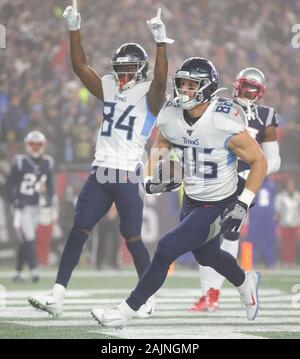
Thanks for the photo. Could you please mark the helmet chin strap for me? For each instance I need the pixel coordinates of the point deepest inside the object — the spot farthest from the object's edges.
(251, 115)
(213, 95)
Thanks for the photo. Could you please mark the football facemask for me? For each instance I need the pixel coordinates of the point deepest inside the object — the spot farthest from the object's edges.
(248, 90)
(128, 74)
(189, 96)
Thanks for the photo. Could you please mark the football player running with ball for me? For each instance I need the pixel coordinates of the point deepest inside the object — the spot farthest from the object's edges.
(248, 89)
(131, 105)
(208, 136)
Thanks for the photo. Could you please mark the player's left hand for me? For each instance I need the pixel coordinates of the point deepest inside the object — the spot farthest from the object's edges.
(233, 217)
(158, 29)
(73, 18)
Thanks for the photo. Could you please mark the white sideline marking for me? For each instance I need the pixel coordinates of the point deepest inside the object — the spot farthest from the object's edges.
(168, 292)
(132, 274)
(24, 313)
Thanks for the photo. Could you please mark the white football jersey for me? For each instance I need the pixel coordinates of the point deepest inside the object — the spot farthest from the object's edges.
(126, 126)
(210, 168)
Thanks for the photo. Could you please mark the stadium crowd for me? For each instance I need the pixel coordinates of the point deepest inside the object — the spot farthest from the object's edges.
(39, 90)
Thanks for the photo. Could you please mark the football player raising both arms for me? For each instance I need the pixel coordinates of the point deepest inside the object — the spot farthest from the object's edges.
(208, 136)
(248, 89)
(131, 103)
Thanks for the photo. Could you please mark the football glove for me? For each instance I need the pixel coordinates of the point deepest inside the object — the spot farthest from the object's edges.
(233, 217)
(153, 187)
(73, 18)
(158, 29)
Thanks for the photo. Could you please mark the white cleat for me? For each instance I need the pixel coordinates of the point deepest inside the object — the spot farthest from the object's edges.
(47, 303)
(148, 309)
(116, 317)
(249, 294)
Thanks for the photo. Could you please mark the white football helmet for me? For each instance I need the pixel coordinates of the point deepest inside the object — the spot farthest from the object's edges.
(35, 144)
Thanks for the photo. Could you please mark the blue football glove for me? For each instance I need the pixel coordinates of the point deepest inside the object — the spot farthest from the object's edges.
(233, 217)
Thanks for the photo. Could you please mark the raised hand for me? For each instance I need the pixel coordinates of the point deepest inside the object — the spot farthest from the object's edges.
(158, 29)
(73, 17)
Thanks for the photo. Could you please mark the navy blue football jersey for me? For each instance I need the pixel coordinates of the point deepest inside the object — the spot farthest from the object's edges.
(25, 179)
(262, 117)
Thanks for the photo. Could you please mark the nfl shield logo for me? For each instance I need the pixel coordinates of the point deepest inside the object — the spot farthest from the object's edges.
(189, 132)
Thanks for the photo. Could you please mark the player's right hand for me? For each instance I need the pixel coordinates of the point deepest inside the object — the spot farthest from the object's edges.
(73, 18)
(154, 187)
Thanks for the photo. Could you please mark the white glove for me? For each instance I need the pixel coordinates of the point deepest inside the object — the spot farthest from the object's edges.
(158, 29)
(73, 18)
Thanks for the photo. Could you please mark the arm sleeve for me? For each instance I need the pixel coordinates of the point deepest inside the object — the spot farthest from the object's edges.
(271, 151)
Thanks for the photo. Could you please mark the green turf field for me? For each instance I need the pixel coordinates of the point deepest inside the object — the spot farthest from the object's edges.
(279, 311)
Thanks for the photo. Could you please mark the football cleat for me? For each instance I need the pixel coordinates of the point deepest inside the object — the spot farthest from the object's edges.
(48, 304)
(200, 305)
(35, 278)
(18, 278)
(249, 294)
(115, 317)
(208, 302)
(148, 309)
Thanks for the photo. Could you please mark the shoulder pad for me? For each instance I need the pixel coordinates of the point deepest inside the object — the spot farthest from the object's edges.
(229, 116)
(169, 101)
(269, 114)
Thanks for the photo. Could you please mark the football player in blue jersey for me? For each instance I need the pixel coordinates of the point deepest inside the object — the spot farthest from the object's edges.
(29, 187)
(248, 89)
(131, 103)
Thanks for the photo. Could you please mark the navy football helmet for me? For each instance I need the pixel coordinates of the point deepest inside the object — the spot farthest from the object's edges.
(204, 73)
(130, 65)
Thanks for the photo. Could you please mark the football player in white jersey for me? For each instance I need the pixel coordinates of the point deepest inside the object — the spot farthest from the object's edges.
(248, 89)
(208, 136)
(131, 105)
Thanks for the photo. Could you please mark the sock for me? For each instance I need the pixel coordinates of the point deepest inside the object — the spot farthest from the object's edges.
(209, 278)
(58, 291)
(20, 257)
(139, 255)
(71, 255)
(29, 250)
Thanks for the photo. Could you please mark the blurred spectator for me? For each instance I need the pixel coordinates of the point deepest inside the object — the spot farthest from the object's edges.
(39, 89)
(287, 211)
